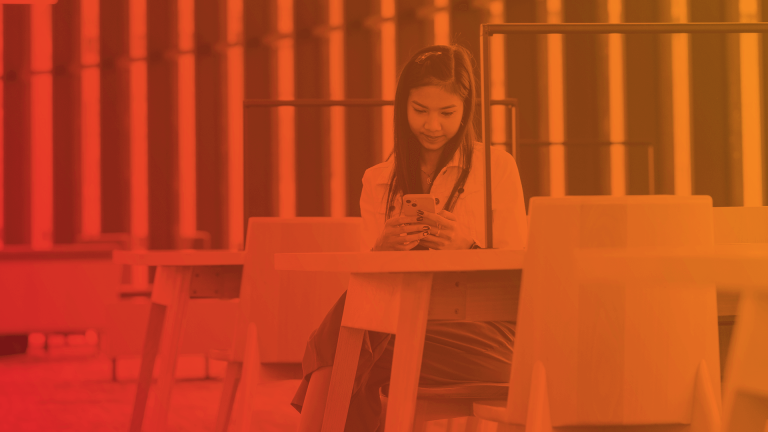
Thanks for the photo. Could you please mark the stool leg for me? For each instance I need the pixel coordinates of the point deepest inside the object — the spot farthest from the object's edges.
(148, 354)
(231, 382)
(178, 280)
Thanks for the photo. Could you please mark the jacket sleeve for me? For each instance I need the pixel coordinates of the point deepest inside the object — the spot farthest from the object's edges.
(510, 224)
(369, 204)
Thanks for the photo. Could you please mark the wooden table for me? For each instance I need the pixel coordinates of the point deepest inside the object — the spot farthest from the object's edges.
(733, 267)
(397, 293)
(181, 275)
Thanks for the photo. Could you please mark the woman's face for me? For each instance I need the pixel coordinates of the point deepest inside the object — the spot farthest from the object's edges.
(434, 115)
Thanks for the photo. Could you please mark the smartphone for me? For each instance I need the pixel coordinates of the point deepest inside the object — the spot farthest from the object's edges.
(415, 202)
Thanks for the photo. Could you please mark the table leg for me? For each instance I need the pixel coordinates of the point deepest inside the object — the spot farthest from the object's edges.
(745, 395)
(148, 354)
(342, 379)
(172, 282)
(409, 346)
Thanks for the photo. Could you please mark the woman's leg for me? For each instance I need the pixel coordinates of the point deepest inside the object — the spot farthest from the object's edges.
(314, 403)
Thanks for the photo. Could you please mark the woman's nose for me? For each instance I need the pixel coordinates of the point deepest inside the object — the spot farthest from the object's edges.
(432, 124)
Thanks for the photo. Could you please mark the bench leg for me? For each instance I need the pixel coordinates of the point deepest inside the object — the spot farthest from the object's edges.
(342, 379)
(175, 282)
(231, 382)
(148, 354)
(409, 347)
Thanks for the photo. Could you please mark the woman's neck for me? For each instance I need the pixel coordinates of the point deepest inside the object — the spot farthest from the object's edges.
(429, 159)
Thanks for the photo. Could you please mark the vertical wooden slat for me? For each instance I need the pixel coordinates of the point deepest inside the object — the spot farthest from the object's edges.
(336, 91)
(41, 124)
(16, 103)
(187, 160)
(524, 83)
(90, 121)
(66, 121)
(442, 22)
(259, 151)
(710, 151)
(555, 102)
(139, 171)
(235, 96)
(286, 116)
(210, 120)
(362, 81)
(389, 68)
(752, 128)
(116, 80)
(616, 111)
(415, 29)
(644, 110)
(311, 82)
(499, 118)
(162, 127)
(2, 131)
(587, 169)
(681, 100)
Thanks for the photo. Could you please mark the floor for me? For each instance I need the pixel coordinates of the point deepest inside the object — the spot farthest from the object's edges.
(68, 386)
(71, 389)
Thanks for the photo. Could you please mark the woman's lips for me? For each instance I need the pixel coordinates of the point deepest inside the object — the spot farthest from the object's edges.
(431, 138)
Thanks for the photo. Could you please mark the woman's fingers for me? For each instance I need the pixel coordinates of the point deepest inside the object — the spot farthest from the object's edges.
(401, 220)
(432, 242)
(437, 220)
(412, 237)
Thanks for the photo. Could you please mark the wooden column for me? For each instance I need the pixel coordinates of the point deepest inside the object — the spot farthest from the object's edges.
(115, 114)
(643, 111)
(16, 107)
(312, 124)
(363, 125)
(711, 166)
(66, 121)
(259, 153)
(414, 28)
(587, 166)
(162, 132)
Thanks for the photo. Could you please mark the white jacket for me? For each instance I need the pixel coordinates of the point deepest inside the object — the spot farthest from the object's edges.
(510, 228)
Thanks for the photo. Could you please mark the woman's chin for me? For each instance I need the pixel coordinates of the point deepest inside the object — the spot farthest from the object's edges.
(433, 146)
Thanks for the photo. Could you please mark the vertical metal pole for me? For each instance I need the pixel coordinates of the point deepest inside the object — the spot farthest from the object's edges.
(508, 129)
(485, 83)
(514, 132)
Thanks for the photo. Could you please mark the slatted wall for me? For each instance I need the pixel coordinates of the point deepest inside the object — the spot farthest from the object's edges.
(123, 119)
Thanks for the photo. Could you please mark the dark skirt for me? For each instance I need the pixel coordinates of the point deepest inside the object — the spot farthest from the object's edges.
(454, 352)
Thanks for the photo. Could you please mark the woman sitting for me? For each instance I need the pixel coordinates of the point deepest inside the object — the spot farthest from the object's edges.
(435, 152)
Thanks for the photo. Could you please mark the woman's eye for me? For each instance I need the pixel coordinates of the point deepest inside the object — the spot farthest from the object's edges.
(419, 111)
(448, 114)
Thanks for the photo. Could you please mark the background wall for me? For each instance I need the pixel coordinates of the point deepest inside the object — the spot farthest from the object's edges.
(123, 119)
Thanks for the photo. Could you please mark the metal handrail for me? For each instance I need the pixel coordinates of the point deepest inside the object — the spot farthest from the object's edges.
(488, 30)
(510, 103)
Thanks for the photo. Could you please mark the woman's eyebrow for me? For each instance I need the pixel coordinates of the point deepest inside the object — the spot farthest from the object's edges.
(424, 106)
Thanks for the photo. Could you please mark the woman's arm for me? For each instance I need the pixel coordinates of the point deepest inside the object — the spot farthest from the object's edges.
(398, 233)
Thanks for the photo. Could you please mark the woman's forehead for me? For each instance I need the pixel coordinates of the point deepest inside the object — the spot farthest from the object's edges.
(434, 97)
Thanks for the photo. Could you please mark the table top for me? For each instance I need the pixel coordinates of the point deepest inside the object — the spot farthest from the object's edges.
(191, 257)
(736, 267)
(403, 262)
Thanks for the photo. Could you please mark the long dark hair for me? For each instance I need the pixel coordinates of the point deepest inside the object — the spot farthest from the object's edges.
(449, 67)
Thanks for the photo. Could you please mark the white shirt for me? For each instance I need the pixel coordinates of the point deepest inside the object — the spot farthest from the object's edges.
(510, 228)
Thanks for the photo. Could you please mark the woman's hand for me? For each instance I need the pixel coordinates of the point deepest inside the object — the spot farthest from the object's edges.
(445, 232)
(401, 233)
